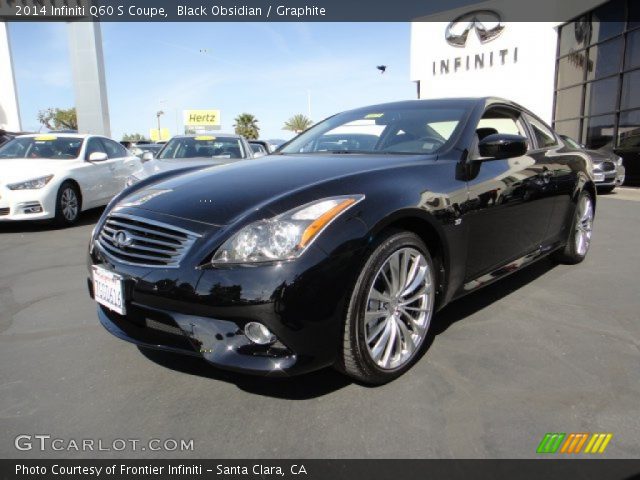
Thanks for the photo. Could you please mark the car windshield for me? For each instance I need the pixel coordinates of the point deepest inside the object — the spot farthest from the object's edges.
(43, 147)
(203, 146)
(571, 142)
(414, 129)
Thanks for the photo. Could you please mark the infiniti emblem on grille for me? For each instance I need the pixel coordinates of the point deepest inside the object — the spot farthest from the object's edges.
(486, 23)
(122, 239)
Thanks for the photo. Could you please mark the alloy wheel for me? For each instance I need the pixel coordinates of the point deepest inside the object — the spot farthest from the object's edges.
(69, 204)
(399, 308)
(584, 225)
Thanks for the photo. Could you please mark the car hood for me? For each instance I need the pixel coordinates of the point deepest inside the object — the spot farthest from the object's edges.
(220, 194)
(598, 156)
(157, 165)
(21, 169)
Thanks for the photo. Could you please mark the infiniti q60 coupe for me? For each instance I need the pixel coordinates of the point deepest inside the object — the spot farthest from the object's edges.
(339, 249)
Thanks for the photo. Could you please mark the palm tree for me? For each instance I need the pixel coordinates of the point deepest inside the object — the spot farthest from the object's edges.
(247, 126)
(298, 123)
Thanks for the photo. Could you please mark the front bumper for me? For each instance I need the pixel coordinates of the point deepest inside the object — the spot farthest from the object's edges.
(202, 311)
(36, 204)
(610, 178)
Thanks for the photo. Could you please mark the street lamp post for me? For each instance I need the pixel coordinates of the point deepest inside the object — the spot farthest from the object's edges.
(160, 112)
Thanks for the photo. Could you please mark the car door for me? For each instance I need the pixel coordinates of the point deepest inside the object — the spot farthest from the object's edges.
(560, 169)
(122, 164)
(97, 176)
(509, 204)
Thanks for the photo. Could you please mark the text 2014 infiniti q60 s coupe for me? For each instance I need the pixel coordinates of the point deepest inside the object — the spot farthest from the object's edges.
(339, 249)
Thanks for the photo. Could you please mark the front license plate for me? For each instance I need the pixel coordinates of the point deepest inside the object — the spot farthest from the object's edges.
(108, 289)
(598, 177)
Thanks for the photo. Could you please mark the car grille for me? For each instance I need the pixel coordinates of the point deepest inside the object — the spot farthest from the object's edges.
(4, 211)
(608, 166)
(139, 241)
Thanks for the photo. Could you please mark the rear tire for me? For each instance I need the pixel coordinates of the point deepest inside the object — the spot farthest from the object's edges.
(68, 205)
(579, 240)
(390, 310)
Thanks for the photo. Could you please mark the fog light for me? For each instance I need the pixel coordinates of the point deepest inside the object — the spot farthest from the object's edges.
(30, 207)
(258, 333)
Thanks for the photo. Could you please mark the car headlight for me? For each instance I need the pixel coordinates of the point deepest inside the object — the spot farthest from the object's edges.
(285, 236)
(34, 184)
(619, 161)
(131, 180)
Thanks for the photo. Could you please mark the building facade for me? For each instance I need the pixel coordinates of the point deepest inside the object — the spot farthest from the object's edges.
(583, 76)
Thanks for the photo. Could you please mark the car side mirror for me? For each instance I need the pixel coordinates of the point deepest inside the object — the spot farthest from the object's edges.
(502, 145)
(146, 156)
(98, 157)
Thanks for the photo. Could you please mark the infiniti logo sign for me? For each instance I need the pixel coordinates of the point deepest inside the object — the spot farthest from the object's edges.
(486, 23)
(122, 239)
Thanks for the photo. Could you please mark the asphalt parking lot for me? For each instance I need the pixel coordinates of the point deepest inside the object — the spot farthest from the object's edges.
(553, 348)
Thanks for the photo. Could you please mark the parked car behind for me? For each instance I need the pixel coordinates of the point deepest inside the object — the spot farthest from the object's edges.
(259, 150)
(608, 171)
(138, 149)
(193, 152)
(268, 147)
(313, 257)
(57, 176)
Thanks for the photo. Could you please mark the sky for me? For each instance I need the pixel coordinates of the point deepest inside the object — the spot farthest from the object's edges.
(267, 69)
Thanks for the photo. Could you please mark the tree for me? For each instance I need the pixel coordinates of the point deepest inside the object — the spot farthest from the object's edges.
(247, 126)
(298, 123)
(133, 137)
(59, 118)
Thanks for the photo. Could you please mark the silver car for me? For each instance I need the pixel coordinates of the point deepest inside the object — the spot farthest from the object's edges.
(608, 171)
(193, 152)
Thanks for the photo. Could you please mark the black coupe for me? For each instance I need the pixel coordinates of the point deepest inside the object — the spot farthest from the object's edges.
(340, 248)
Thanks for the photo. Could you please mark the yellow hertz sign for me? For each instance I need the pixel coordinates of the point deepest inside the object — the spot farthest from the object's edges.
(574, 443)
(201, 118)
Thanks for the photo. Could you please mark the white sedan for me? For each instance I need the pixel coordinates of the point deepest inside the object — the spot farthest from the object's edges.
(57, 176)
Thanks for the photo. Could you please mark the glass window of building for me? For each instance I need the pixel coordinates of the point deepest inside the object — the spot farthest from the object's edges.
(605, 59)
(632, 54)
(629, 131)
(606, 21)
(601, 96)
(569, 103)
(575, 36)
(571, 69)
(570, 128)
(598, 131)
(630, 90)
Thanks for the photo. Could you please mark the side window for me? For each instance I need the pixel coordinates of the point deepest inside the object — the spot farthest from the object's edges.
(502, 120)
(543, 134)
(113, 149)
(93, 145)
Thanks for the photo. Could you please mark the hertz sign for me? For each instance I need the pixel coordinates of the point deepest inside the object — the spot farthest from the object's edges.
(201, 118)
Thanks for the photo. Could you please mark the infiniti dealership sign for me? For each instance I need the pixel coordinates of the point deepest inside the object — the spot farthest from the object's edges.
(487, 25)
(474, 21)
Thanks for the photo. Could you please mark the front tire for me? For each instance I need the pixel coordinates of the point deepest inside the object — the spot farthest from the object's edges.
(579, 239)
(67, 205)
(390, 310)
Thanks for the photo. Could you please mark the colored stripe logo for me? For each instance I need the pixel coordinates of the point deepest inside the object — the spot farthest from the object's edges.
(574, 443)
